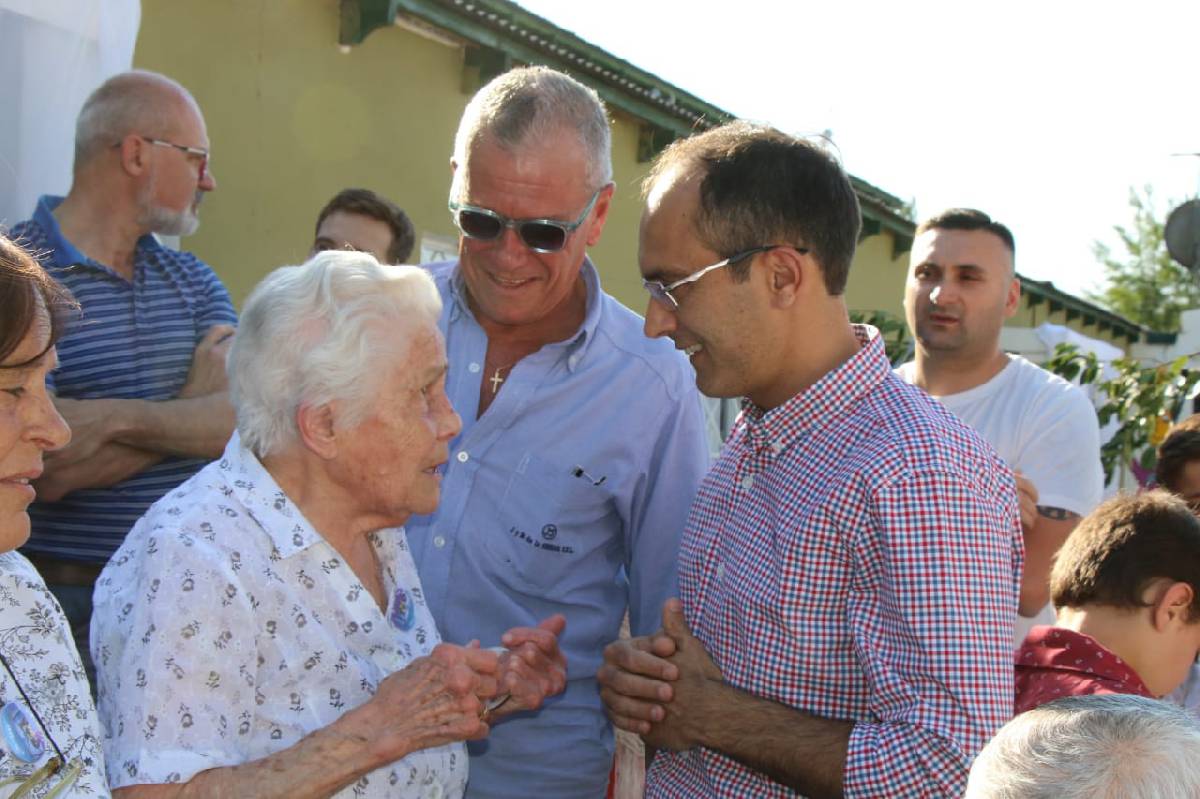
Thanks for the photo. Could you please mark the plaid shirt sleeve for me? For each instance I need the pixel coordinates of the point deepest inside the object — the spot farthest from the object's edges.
(932, 617)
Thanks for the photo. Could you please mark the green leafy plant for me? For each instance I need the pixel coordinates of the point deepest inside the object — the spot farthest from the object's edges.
(892, 329)
(1142, 399)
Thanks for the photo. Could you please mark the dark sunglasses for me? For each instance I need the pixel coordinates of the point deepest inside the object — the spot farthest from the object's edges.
(539, 235)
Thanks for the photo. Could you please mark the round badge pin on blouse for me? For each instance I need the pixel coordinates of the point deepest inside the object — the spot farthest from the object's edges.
(23, 740)
(403, 614)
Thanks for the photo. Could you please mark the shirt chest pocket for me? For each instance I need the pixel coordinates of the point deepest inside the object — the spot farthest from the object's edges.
(552, 518)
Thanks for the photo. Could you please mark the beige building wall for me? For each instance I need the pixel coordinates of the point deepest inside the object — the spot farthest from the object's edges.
(876, 279)
(292, 119)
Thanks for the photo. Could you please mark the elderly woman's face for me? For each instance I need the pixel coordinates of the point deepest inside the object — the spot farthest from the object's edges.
(29, 425)
(393, 457)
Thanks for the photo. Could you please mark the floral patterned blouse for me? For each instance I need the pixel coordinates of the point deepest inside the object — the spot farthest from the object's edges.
(226, 629)
(36, 643)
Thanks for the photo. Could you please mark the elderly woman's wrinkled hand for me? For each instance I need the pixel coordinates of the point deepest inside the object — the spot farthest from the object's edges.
(532, 667)
(435, 700)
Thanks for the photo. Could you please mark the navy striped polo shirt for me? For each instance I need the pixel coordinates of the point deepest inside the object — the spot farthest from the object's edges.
(132, 340)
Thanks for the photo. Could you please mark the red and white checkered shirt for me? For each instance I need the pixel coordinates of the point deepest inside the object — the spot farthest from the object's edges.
(856, 554)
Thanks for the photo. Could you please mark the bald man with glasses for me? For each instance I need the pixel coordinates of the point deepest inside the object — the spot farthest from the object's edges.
(142, 375)
(583, 442)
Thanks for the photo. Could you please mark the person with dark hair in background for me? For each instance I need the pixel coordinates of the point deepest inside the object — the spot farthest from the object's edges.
(142, 381)
(1177, 468)
(961, 286)
(850, 568)
(51, 736)
(360, 219)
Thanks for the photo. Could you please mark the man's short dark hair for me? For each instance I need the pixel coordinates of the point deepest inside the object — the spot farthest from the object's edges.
(1180, 447)
(760, 186)
(367, 203)
(969, 219)
(1122, 547)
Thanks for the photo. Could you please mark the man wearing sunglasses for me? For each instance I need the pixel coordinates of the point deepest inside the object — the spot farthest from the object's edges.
(849, 571)
(582, 443)
(142, 377)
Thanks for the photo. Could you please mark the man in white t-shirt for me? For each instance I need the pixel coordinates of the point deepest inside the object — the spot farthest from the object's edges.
(961, 287)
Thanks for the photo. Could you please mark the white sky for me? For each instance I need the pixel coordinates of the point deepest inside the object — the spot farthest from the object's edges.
(1043, 114)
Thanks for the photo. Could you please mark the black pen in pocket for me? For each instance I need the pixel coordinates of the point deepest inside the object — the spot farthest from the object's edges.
(578, 471)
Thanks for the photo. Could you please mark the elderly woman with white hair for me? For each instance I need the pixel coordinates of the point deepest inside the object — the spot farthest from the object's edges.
(262, 631)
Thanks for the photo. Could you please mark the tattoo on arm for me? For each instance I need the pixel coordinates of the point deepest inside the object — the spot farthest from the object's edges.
(1058, 514)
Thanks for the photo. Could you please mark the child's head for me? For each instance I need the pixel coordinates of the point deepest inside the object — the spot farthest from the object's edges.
(1134, 564)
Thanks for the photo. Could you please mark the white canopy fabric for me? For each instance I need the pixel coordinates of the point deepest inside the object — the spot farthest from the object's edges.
(1053, 335)
(53, 53)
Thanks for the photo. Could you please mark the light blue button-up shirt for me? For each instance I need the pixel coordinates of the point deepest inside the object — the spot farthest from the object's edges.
(567, 496)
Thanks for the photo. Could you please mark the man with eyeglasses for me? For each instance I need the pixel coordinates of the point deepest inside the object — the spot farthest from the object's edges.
(849, 570)
(141, 379)
(582, 442)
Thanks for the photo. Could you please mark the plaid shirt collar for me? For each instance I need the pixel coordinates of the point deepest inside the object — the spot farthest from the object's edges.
(814, 408)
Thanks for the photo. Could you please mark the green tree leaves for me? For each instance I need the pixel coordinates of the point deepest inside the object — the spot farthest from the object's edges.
(1143, 283)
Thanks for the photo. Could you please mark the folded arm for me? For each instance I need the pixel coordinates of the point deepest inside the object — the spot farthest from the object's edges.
(114, 439)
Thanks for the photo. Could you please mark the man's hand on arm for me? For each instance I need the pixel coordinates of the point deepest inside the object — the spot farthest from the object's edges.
(114, 439)
(207, 374)
(198, 423)
(109, 465)
(433, 701)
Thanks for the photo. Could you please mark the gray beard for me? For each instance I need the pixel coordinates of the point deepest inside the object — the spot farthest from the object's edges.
(165, 221)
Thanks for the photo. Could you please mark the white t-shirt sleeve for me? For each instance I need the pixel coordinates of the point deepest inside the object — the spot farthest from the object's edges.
(1060, 453)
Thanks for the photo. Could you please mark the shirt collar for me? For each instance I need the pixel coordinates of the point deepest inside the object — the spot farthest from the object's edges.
(573, 347)
(824, 401)
(63, 253)
(264, 501)
(1061, 649)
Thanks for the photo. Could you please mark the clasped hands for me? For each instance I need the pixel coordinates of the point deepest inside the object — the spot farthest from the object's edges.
(441, 698)
(664, 687)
